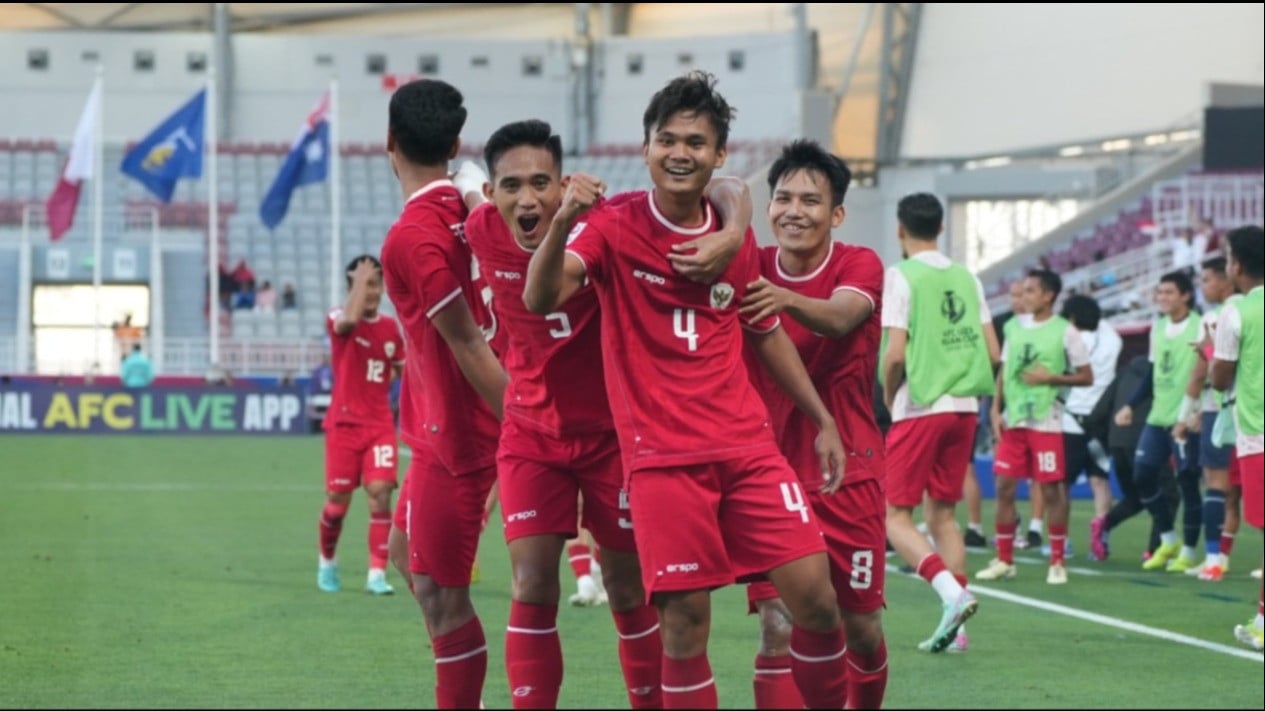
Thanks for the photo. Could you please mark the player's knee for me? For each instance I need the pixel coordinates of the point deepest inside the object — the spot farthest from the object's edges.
(863, 631)
(536, 583)
(775, 629)
(338, 498)
(683, 622)
(899, 515)
(814, 607)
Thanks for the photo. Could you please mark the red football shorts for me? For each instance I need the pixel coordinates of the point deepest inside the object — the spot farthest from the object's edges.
(445, 518)
(400, 519)
(1252, 471)
(929, 455)
(541, 475)
(1029, 454)
(1236, 474)
(854, 523)
(703, 526)
(356, 454)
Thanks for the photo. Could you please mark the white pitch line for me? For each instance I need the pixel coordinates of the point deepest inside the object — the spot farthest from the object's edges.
(1115, 622)
(1118, 623)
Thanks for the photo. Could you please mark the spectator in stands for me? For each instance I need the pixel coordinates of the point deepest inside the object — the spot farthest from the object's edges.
(266, 298)
(243, 275)
(244, 299)
(1190, 247)
(289, 299)
(227, 287)
(136, 371)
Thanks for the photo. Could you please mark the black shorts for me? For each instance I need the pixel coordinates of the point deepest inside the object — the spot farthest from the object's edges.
(1078, 458)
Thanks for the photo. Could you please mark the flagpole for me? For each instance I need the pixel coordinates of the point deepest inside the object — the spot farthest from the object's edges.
(335, 197)
(98, 212)
(213, 218)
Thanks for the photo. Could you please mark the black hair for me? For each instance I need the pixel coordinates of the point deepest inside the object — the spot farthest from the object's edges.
(351, 266)
(809, 155)
(1247, 246)
(426, 117)
(1050, 281)
(532, 132)
(1181, 280)
(1083, 311)
(922, 216)
(696, 93)
(1216, 265)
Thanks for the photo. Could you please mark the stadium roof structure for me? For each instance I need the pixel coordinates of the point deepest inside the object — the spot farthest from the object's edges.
(197, 16)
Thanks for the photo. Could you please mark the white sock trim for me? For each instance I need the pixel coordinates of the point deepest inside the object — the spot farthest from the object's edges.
(639, 635)
(459, 657)
(819, 660)
(525, 630)
(687, 689)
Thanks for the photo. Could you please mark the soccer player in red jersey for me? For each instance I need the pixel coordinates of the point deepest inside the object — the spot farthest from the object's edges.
(359, 427)
(558, 439)
(831, 293)
(453, 385)
(713, 500)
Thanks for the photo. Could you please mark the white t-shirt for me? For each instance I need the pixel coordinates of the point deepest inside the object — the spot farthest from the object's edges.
(1211, 398)
(1104, 347)
(896, 303)
(1077, 355)
(1226, 347)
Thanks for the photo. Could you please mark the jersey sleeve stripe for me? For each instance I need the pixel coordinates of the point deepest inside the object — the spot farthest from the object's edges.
(443, 302)
(858, 291)
(777, 323)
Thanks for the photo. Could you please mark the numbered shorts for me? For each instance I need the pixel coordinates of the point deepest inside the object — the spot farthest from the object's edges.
(1252, 472)
(704, 526)
(445, 518)
(1029, 454)
(929, 455)
(356, 455)
(541, 477)
(854, 523)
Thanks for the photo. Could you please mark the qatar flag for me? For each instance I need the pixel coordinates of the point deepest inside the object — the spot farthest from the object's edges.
(79, 167)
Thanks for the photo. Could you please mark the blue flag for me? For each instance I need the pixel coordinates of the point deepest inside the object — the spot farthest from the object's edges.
(306, 163)
(172, 151)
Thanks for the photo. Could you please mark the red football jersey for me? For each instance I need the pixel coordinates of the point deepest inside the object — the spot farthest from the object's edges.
(844, 370)
(427, 264)
(677, 383)
(554, 361)
(363, 362)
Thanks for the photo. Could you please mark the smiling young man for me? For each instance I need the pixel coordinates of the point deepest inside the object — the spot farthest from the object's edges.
(1042, 355)
(558, 439)
(712, 498)
(1172, 361)
(831, 293)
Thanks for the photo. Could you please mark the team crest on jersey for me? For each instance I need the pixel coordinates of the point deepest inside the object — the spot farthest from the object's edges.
(575, 231)
(390, 349)
(722, 295)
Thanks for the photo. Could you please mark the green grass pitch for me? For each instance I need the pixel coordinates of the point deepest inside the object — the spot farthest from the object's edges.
(180, 572)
